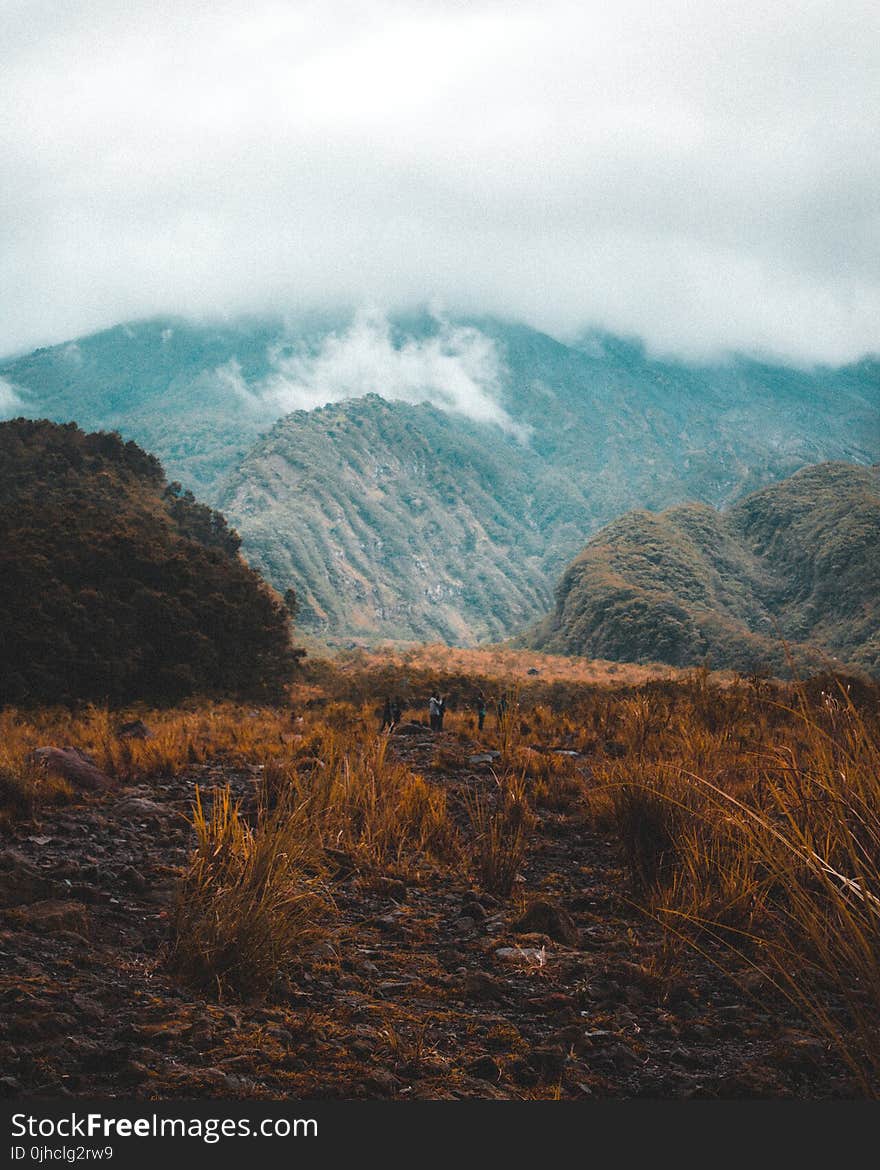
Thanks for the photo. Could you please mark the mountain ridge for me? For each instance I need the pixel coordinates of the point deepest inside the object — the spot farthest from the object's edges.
(588, 432)
(796, 562)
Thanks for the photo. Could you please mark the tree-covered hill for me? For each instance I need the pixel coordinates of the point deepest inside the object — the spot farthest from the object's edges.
(799, 561)
(116, 586)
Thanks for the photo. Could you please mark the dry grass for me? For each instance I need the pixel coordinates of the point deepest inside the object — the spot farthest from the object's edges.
(751, 828)
(748, 815)
(503, 665)
(500, 825)
(250, 900)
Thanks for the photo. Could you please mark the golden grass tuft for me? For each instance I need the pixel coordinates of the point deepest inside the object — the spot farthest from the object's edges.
(501, 823)
(751, 829)
(250, 899)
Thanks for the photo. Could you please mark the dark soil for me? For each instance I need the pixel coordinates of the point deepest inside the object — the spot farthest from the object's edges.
(423, 988)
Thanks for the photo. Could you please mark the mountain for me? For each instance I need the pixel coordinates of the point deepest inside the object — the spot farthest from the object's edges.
(798, 560)
(396, 517)
(449, 505)
(115, 586)
(177, 388)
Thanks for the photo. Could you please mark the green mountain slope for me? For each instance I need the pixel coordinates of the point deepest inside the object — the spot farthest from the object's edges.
(175, 387)
(799, 560)
(394, 517)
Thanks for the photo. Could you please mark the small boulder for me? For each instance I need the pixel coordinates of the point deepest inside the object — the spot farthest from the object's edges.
(410, 728)
(389, 887)
(22, 882)
(480, 987)
(140, 808)
(73, 765)
(483, 757)
(543, 917)
(526, 956)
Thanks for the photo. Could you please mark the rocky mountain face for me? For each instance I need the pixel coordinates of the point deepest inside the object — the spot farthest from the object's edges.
(395, 518)
(799, 561)
(393, 513)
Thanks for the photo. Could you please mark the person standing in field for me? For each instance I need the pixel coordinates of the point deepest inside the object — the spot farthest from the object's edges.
(387, 716)
(396, 712)
(481, 710)
(434, 712)
(441, 711)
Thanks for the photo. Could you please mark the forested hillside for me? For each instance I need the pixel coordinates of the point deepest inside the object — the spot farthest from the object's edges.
(799, 561)
(116, 586)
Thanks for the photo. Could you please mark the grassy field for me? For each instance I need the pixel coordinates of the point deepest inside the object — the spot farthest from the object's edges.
(727, 832)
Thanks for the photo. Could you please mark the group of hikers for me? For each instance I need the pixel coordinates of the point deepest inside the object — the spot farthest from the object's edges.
(392, 711)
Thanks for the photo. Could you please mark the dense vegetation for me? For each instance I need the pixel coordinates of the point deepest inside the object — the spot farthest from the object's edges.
(799, 561)
(116, 586)
(404, 521)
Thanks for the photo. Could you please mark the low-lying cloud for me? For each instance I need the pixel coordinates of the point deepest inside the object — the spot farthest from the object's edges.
(701, 175)
(457, 369)
(10, 400)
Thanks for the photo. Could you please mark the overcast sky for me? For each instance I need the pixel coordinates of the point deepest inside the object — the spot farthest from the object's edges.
(704, 174)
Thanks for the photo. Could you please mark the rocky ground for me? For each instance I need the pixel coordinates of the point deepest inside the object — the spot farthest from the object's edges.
(426, 989)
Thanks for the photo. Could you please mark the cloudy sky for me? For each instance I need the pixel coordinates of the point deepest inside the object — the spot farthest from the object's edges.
(703, 173)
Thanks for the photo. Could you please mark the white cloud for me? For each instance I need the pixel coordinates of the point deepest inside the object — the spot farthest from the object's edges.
(457, 369)
(703, 175)
(229, 377)
(10, 402)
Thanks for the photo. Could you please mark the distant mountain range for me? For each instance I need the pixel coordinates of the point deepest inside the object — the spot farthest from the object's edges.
(798, 561)
(394, 514)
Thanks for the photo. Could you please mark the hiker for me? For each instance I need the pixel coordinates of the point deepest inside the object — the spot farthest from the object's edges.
(387, 716)
(396, 712)
(441, 711)
(481, 710)
(434, 712)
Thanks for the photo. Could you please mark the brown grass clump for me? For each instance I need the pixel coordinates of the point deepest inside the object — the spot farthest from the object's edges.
(750, 826)
(25, 787)
(501, 824)
(249, 901)
(386, 816)
(804, 844)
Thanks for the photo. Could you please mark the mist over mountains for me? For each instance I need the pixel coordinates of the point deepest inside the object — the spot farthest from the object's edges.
(461, 464)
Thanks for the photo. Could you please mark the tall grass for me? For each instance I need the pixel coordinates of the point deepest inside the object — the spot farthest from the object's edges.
(501, 823)
(763, 849)
(386, 816)
(250, 899)
(811, 845)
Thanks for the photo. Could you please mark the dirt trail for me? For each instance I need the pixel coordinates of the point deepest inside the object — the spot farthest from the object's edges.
(422, 990)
